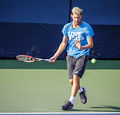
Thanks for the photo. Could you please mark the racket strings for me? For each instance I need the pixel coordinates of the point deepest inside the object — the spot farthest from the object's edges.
(26, 59)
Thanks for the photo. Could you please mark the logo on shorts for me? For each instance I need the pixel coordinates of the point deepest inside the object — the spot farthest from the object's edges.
(76, 72)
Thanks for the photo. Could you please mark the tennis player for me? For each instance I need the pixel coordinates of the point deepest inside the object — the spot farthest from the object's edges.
(77, 36)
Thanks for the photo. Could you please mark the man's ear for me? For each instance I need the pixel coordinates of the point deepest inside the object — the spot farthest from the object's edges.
(71, 15)
(81, 15)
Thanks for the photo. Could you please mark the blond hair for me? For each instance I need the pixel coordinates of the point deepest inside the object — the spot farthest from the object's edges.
(77, 10)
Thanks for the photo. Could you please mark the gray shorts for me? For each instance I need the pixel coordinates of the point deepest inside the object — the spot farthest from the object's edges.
(76, 65)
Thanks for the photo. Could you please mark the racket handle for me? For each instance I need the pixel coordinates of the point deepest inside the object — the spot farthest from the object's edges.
(48, 59)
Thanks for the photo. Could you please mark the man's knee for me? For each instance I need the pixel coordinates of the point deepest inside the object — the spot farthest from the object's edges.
(71, 81)
(76, 77)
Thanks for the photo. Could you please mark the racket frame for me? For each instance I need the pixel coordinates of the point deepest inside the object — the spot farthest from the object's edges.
(32, 59)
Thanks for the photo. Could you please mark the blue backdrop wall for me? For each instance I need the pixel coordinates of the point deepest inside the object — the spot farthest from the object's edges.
(34, 26)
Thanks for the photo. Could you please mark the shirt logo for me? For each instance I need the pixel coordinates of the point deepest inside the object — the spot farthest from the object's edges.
(75, 36)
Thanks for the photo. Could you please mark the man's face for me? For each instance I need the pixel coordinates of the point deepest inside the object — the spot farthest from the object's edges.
(76, 18)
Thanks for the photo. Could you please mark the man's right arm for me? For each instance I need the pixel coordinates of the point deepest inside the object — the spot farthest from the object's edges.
(61, 48)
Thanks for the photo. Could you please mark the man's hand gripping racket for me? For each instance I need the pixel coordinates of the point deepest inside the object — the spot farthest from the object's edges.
(30, 59)
(52, 59)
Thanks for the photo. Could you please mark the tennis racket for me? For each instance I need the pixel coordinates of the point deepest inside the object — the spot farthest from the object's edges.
(29, 59)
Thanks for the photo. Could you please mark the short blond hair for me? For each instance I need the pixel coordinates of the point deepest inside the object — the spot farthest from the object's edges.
(77, 10)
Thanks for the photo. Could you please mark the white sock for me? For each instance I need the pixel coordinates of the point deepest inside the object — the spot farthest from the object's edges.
(80, 90)
(72, 98)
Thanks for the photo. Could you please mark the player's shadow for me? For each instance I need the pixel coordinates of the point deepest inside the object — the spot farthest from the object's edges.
(102, 108)
(116, 108)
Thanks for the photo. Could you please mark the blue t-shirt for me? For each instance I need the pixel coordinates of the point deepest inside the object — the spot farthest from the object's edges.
(81, 33)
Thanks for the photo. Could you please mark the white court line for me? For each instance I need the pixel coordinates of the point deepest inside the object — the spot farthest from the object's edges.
(65, 113)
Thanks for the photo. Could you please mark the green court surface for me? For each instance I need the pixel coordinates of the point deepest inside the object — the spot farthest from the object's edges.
(44, 87)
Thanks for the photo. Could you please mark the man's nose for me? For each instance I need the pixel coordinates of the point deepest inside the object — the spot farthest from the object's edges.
(76, 19)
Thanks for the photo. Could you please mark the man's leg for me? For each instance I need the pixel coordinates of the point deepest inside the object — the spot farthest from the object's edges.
(71, 82)
(74, 79)
(81, 89)
(79, 70)
(75, 82)
(76, 85)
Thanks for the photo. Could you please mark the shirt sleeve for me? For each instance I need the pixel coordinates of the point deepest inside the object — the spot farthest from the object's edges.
(89, 32)
(64, 31)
